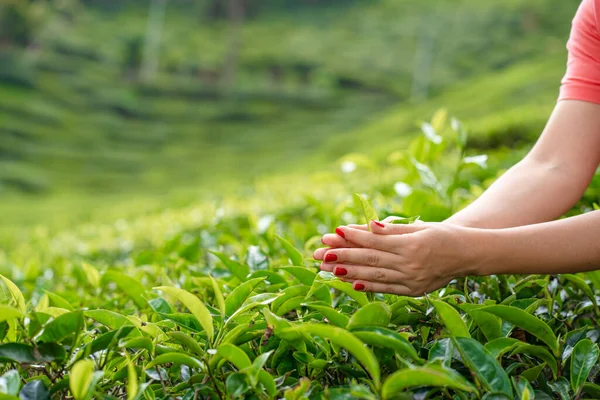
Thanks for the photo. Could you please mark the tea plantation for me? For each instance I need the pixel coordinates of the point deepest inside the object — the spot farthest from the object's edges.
(223, 300)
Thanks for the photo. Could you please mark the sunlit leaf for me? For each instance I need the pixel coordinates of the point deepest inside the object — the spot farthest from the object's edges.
(196, 307)
(430, 375)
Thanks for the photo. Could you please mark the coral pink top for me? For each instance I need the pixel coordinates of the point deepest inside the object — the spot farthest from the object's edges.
(582, 79)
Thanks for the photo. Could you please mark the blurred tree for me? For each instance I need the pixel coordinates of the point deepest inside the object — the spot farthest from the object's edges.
(235, 14)
(16, 24)
(154, 28)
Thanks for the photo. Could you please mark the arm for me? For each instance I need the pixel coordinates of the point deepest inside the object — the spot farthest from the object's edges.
(549, 180)
(566, 246)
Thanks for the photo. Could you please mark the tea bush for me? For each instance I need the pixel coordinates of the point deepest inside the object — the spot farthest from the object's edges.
(223, 301)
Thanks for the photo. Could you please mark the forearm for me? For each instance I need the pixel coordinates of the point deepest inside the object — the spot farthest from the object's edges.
(530, 192)
(550, 180)
(569, 245)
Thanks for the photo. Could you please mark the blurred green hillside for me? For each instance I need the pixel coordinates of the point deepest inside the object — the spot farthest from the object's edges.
(88, 124)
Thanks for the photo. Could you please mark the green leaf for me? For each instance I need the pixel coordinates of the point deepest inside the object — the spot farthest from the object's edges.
(236, 385)
(132, 381)
(386, 338)
(238, 296)
(531, 374)
(24, 353)
(377, 313)
(257, 366)
(367, 209)
(334, 317)
(111, 319)
(141, 342)
(430, 375)
(592, 390)
(304, 275)
(192, 303)
(7, 313)
(187, 341)
(343, 338)
(539, 352)
(15, 293)
(58, 301)
(34, 390)
(527, 322)
(490, 325)
(218, 295)
(237, 269)
(92, 274)
(294, 255)
(175, 358)
(128, 285)
(62, 327)
(405, 221)
(498, 347)
(451, 318)
(583, 359)
(346, 287)
(483, 365)
(10, 382)
(584, 287)
(81, 378)
(234, 355)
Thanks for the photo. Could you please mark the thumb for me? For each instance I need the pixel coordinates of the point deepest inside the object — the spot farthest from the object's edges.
(386, 228)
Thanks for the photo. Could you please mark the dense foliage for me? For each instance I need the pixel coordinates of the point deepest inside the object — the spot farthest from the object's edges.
(225, 301)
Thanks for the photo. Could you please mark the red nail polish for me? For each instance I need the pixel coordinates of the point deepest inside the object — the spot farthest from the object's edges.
(340, 232)
(339, 271)
(330, 258)
(359, 286)
(379, 224)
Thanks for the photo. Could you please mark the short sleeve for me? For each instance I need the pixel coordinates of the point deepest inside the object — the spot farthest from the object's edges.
(582, 79)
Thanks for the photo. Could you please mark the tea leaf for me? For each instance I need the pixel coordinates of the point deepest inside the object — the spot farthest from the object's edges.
(583, 359)
(193, 304)
(294, 255)
(343, 338)
(430, 375)
(334, 317)
(526, 321)
(16, 294)
(451, 319)
(81, 378)
(367, 209)
(386, 338)
(175, 358)
(376, 313)
(7, 313)
(483, 365)
(239, 295)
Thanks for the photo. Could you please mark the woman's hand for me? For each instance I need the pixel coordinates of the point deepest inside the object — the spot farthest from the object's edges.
(409, 260)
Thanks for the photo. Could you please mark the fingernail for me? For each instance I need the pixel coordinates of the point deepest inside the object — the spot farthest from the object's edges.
(359, 286)
(330, 258)
(339, 271)
(379, 224)
(322, 241)
(340, 232)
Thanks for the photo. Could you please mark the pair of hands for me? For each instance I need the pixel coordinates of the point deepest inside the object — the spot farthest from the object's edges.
(408, 260)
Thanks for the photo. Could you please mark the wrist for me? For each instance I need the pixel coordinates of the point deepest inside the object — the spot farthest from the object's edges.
(483, 252)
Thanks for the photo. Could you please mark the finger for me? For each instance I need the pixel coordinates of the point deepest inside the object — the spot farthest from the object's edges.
(362, 256)
(378, 287)
(333, 240)
(364, 272)
(361, 227)
(320, 253)
(384, 228)
(368, 239)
